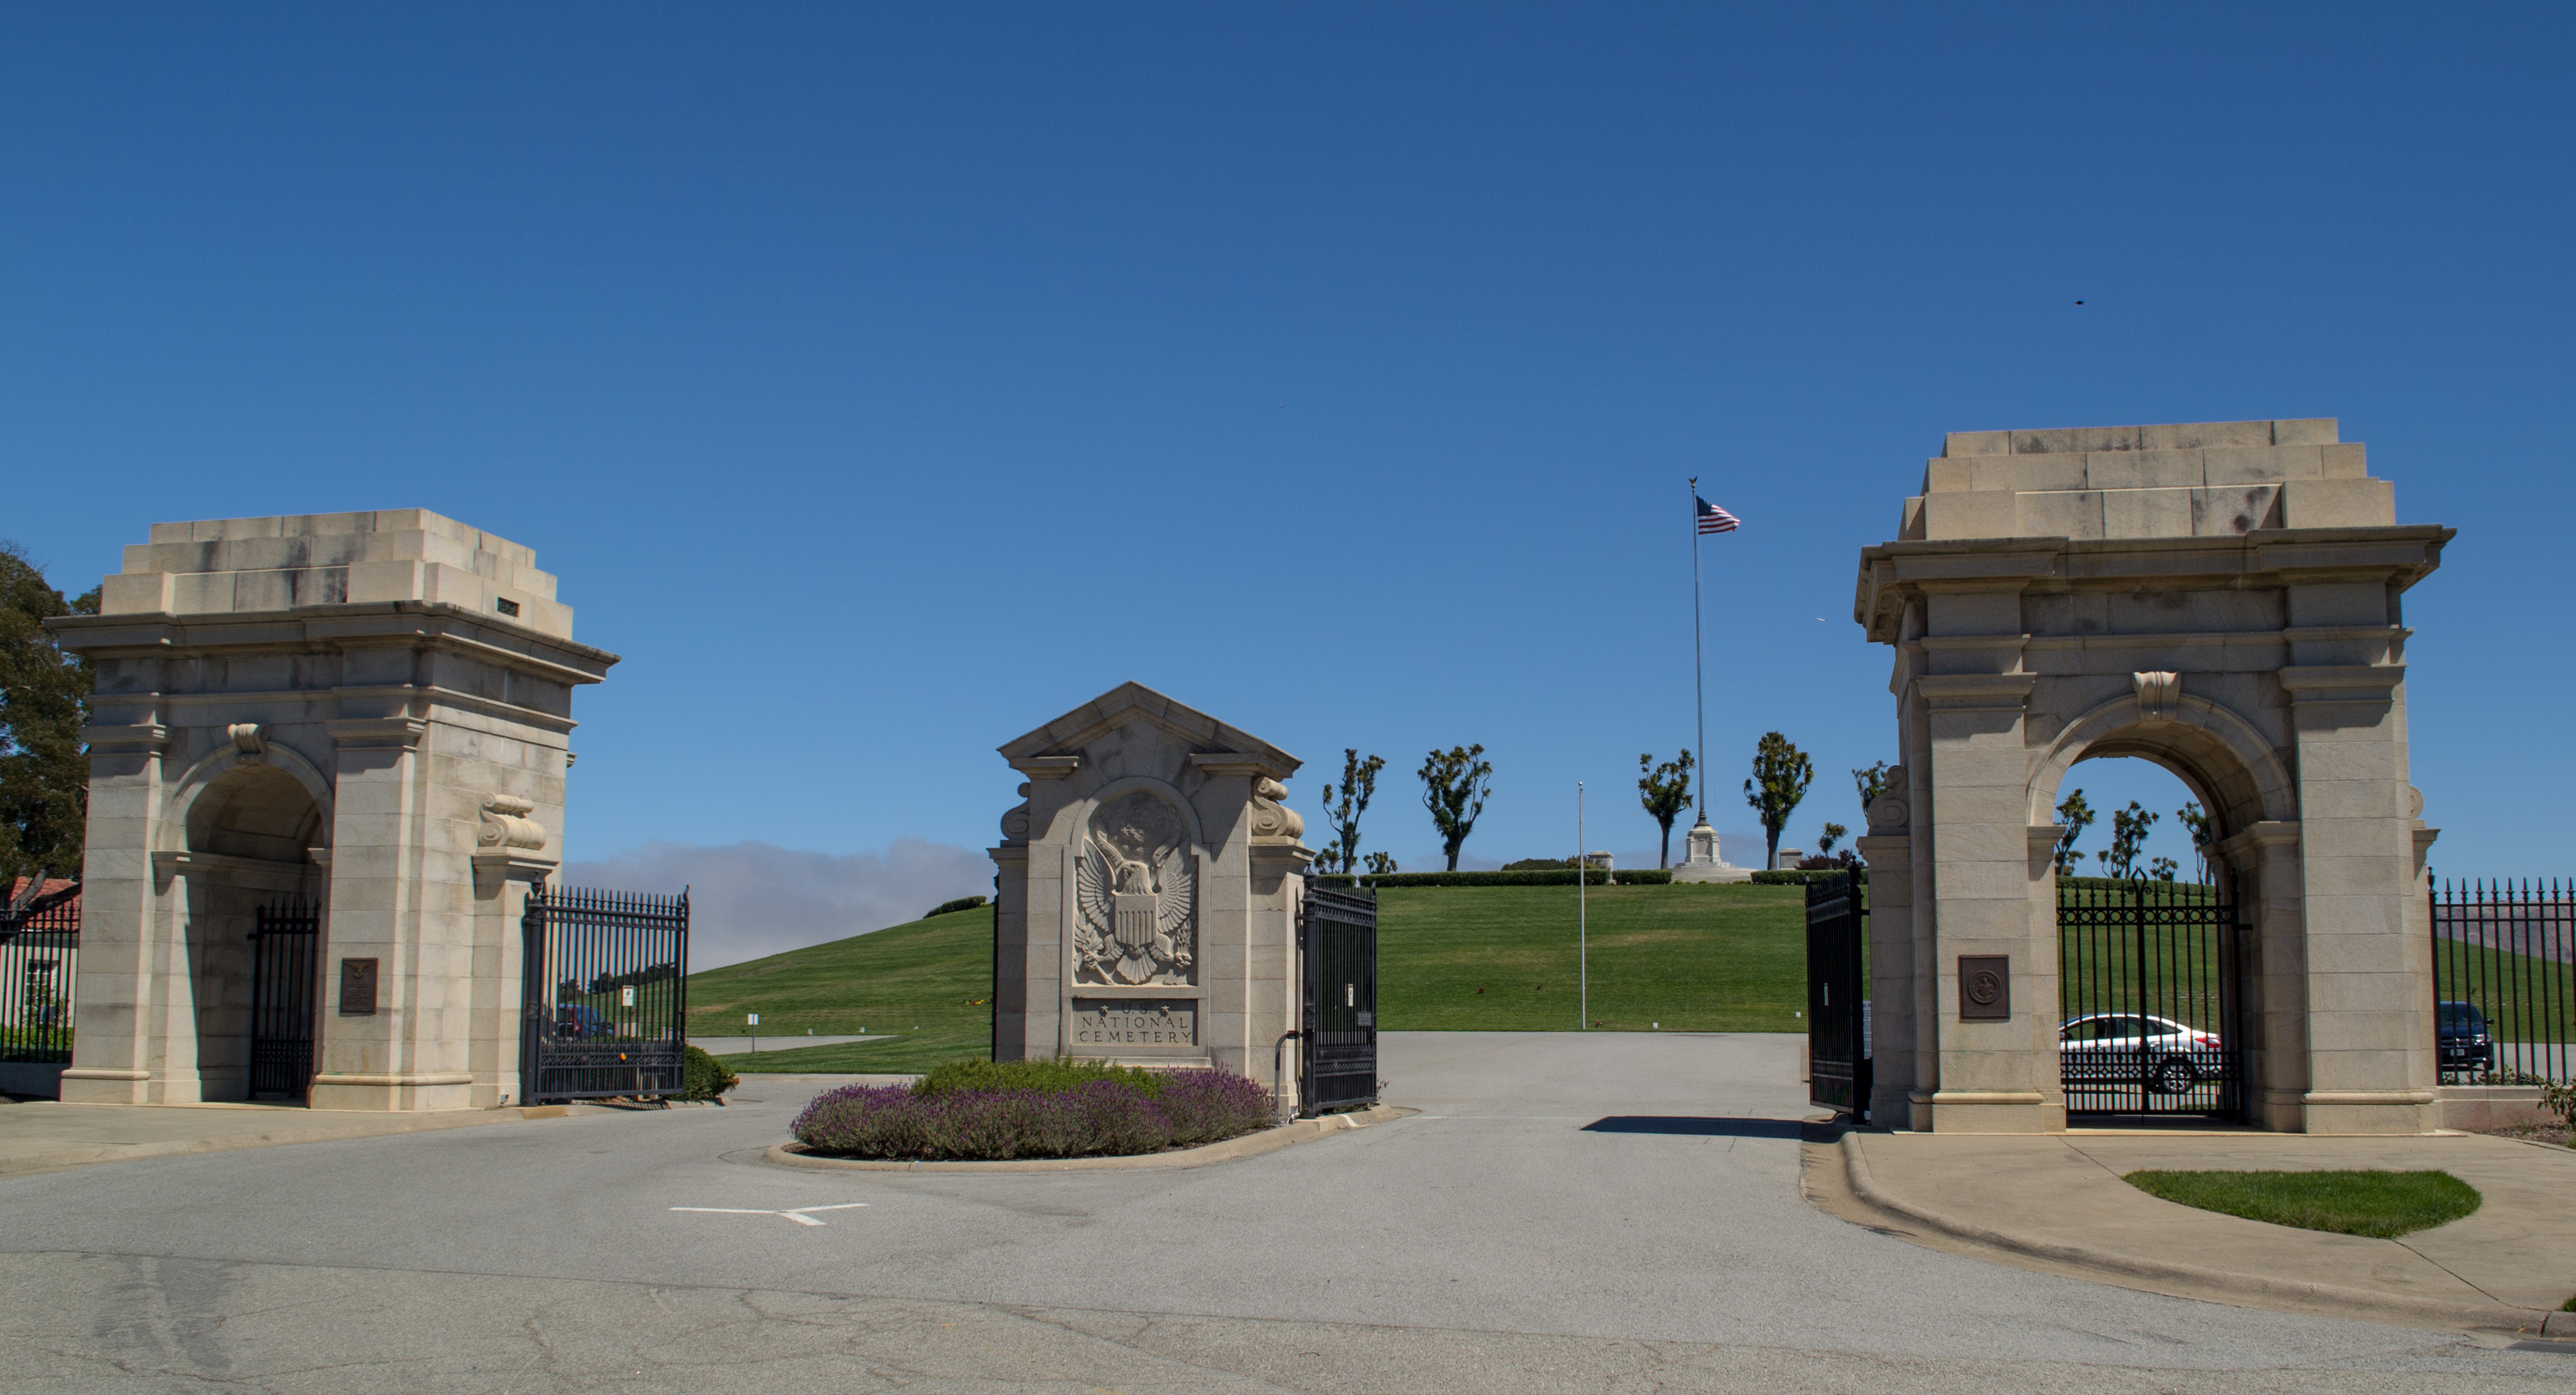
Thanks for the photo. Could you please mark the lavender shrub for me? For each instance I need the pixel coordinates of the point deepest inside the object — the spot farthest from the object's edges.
(1100, 1117)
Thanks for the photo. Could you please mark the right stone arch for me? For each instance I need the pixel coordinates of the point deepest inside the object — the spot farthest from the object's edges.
(2222, 599)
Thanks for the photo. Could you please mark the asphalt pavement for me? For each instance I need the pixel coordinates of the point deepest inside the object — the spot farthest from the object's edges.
(1567, 1212)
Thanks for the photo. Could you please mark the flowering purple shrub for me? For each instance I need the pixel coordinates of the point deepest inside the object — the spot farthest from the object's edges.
(1207, 1105)
(1100, 1117)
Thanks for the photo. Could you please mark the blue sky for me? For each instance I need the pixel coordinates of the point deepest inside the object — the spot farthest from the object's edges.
(884, 380)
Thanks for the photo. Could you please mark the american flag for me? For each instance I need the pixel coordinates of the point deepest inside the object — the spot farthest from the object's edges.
(1713, 519)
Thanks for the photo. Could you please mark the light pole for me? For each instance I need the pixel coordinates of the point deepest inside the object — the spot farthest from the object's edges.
(1582, 926)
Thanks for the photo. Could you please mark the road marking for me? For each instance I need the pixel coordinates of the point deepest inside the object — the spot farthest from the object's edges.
(796, 1214)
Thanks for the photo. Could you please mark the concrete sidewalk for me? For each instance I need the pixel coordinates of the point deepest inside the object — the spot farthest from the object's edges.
(46, 1136)
(2060, 1200)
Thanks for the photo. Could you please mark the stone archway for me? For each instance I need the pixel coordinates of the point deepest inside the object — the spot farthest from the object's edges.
(253, 833)
(2222, 599)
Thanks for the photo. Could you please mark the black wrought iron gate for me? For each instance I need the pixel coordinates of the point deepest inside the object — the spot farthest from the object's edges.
(2149, 998)
(1838, 1074)
(1337, 933)
(284, 938)
(605, 1002)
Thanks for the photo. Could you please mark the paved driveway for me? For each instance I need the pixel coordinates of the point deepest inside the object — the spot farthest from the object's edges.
(1613, 1212)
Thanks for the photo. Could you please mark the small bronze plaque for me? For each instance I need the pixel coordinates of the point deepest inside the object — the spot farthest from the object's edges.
(357, 988)
(1985, 987)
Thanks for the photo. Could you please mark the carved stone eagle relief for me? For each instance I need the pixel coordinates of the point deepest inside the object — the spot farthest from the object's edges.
(1136, 895)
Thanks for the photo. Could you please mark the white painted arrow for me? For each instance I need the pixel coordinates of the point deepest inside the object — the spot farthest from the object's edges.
(797, 1215)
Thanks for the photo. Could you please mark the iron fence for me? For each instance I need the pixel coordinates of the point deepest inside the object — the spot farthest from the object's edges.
(2149, 1015)
(605, 993)
(2504, 979)
(39, 963)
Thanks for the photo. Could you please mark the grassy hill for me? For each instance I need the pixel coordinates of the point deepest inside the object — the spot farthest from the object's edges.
(1692, 958)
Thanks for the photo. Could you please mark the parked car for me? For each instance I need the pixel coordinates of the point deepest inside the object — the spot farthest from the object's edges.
(578, 1022)
(2127, 1048)
(2461, 1040)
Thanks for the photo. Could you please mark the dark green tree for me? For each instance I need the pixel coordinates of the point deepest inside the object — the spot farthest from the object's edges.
(2128, 838)
(1359, 786)
(44, 699)
(1665, 791)
(2195, 821)
(1781, 774)
(1831, 834)
(1380, 865)
(1454, 786)
(2077, 816)
(2163, 869)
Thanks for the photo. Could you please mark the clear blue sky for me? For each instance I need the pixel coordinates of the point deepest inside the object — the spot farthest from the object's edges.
(884, 380)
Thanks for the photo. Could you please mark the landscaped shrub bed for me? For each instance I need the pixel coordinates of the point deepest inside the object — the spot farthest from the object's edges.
(1034, 1109)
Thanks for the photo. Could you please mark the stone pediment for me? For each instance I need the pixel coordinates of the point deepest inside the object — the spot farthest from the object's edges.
(1051, 749)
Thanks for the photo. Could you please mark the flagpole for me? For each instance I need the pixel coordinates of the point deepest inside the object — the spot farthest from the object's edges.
(1582, 926)
(1699, 666)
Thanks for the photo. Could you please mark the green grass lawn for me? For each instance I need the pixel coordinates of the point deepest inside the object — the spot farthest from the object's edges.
(2382, 1204)
(1692, 958)
(1711, 958)
(926, 982)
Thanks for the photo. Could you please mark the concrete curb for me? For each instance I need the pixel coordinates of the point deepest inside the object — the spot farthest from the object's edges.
(2254, 1289)
(63, 1159)
(1249, 1145)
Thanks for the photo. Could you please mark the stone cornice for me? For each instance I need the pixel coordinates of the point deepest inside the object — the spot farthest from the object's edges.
(337, 627)
(1046, 767)
(1954, 692)
(2342, 682)
(1237, 763)
(1135, 700)
(149, 737)
(1891, 572)
(377, 731)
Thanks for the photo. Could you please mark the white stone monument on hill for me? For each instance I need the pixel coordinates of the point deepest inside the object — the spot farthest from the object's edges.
(1701, 861)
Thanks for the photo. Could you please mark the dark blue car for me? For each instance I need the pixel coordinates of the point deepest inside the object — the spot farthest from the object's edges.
(2461, 1040)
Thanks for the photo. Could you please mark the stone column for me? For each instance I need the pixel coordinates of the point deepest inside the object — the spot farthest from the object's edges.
(2263, 862)
(121, 998)
(1981, 877)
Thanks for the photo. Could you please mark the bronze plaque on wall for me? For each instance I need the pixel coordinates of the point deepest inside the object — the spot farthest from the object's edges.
(1985, 987)
(357, 988)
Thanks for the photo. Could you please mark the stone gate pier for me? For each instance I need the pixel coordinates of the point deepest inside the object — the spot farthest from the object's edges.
(2224, 599)
(367, 713)
(1148, 891)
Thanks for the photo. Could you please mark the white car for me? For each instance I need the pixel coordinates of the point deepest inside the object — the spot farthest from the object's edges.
(2128, 1048)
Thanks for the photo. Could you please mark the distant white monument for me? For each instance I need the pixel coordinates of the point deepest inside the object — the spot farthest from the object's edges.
(1701, 861)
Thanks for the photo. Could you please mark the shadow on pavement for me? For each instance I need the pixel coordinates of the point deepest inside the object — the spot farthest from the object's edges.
(1694, 1126)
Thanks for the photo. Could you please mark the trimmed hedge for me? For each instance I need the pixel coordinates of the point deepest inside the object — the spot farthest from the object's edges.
(703, 1077)
(962, 903)
(1563, 876)
(1788, 876)
(1094, 1118)
(1045, 1077)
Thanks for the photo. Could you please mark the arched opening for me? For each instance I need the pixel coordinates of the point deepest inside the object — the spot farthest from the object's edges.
(2160, 966)
(252, 832)
(2133, 816)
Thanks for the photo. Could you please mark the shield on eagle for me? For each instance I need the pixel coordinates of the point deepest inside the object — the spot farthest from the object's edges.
(1136, 890)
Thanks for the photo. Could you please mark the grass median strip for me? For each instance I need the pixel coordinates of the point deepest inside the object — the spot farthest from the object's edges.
(2381, 1204)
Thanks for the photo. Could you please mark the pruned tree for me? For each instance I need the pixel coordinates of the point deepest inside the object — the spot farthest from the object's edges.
(2128, 837)
(44, 699)
(1454, 786)
(2163, 869)
(2195, 821)
(1781, 774)
(1825, 840)
(1380, 864)
(2077, 816)
(1359, 786)
(1665, 791)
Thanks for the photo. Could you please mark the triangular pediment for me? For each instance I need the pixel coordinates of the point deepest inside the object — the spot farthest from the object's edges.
(1066, 735)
